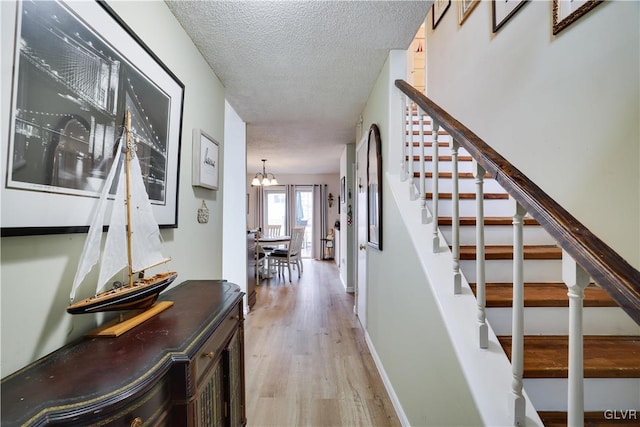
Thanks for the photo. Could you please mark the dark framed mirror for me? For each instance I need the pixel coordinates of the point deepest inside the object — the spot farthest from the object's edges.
(374, 188)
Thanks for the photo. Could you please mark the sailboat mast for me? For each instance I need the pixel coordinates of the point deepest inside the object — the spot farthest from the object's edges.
(128, 194)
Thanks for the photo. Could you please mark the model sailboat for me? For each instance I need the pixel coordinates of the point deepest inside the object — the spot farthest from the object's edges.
(133, 242)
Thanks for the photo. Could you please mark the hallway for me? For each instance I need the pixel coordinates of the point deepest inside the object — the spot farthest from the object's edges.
(307, 362)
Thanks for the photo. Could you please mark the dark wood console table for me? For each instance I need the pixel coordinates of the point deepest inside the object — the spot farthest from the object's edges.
(184, 367)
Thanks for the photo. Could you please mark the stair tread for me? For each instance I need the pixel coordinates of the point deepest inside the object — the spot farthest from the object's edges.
(417, 132)
(470, 196)
(493, 252)
(449, 175)
(441, 158)
(591, 419)
(488, 220)
(543, 295)
(605, 356)
(427, 144)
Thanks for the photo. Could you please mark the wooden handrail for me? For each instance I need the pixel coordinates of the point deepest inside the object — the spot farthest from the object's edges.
(609, 270)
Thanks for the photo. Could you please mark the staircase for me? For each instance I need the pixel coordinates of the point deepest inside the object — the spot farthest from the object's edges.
(611, 337)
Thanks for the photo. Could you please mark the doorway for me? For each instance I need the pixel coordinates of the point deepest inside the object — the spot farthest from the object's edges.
(361, 230)
(303, 213)
(279, 211)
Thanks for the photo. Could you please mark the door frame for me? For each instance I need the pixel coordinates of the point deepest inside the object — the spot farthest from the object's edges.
(361, 221)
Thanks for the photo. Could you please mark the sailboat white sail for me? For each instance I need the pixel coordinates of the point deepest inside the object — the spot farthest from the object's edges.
(114, 258)
(145, 236)
(91, 249)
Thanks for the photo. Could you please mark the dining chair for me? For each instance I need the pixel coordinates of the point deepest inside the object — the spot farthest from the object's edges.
(272, 230)
(291, 255)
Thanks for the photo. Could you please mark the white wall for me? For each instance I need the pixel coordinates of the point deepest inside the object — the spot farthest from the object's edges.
(402, 316)
(347, 231)
(563, 109)
(234, 242)
(37, 271)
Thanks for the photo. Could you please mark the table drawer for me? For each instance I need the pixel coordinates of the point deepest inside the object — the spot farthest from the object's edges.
(151, 409)
(212, 349)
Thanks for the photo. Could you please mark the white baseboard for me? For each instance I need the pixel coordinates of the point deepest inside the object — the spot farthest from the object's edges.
(344, 285)
(387, 383)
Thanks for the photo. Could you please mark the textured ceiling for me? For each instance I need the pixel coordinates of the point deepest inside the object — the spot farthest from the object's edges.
(298, 72)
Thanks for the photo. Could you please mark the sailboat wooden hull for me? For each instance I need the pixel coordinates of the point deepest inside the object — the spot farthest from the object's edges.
(140, 296)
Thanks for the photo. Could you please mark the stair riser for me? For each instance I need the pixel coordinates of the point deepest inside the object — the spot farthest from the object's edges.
(600, 394)
(500, 235)
(466, 185)
(467, 207)
(501, 271)
(555, 321)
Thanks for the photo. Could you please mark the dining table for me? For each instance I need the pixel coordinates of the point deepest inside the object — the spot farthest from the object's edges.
(268, 244)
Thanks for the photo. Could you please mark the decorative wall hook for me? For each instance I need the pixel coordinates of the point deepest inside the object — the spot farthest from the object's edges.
(203, 213)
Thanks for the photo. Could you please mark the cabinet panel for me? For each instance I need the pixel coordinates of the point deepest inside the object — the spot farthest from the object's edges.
(234, 355)
(210, 404)
(251, 268)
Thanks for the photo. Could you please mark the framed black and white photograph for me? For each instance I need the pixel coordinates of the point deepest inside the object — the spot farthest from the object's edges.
(465, 7)
(374, 187)
(566, 12)
(205, 160)
(503, 10)
(438, 10)
(77, 69)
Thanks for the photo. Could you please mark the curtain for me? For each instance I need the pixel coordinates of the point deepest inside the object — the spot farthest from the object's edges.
(319, 219)
(259, 211)
(291, 209)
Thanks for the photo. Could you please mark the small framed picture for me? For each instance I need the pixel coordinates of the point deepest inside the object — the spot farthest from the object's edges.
(205, 160)
(438, 11)
(503, 10)
(465, 7)
(566, 12)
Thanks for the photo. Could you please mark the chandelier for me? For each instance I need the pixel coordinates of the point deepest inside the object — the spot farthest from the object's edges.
(264, 178)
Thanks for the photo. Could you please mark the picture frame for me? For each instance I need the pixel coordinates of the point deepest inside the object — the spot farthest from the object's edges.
(205, 160)
(374, 188)
(77, 68)
(566, 12)
(465, 7)
(438, 10)
(504, 10)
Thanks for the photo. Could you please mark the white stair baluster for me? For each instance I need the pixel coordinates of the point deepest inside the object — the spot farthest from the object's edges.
(576, 280)
(483, 330)
(455, 218)
(517, 326)
(412, 186)
(406, 145)
(434, 131)
(422, 179)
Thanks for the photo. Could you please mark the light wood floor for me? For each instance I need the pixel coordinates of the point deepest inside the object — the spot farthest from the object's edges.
(306, 359)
